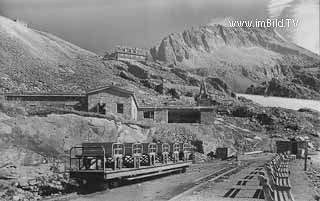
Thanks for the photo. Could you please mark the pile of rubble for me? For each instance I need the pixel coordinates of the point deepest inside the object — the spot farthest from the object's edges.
(276, 120)
(35, 188)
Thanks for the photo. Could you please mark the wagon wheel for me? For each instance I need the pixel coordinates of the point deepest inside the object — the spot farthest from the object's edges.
(113, 184)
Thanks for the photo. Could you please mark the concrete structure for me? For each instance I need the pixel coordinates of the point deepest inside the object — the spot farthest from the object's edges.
(155, 114)
(115, 100)
(128, 53)
(204, 98)
(121, 102)
(177, 114)
(67, 101)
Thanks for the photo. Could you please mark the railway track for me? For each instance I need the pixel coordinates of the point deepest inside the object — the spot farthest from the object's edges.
(226, 169)
(204, 180)
(209, 178)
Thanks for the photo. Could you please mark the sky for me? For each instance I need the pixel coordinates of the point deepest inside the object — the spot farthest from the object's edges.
(306, 34)
(100, 25)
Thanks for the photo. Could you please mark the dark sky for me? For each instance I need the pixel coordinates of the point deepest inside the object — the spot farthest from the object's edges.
(99, 25)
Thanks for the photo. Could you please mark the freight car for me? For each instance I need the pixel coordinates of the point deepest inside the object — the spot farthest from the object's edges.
(110, 161)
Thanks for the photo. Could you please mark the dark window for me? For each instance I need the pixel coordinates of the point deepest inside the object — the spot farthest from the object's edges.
(101, 108)
(148, 115)
(120, 108)
(184, 116)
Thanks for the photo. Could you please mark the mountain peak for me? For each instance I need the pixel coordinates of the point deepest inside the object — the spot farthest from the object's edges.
(241, 56)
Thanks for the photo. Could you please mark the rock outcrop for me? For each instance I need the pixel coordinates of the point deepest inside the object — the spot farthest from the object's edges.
(300, 84)
(239, 56)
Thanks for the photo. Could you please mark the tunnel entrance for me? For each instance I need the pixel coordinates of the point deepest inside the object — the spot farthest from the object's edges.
(184, 116)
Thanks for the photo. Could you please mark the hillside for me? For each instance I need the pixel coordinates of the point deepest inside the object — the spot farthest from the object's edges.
(35, 61)
(240, 56)
(33, 147)
(301, 83)
(31, 143)
(232, 58)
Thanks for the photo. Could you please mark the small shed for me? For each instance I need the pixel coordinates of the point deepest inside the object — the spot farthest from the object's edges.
(283, 146)
(223, 153)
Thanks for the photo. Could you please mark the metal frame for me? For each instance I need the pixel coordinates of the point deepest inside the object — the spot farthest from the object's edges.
(117, 155)
(176, 150)
(97, 154)
(187, 150)
(152, 150)
(136, 153)
(165, 153)
(83, 157)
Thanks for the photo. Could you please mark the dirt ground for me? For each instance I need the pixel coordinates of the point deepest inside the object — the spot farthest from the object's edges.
(226, 188)
(158, 189)
(302, 187)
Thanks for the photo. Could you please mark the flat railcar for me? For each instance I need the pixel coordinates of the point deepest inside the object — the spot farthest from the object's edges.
(105, 161)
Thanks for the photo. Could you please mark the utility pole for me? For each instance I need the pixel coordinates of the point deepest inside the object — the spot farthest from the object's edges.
(305, 155)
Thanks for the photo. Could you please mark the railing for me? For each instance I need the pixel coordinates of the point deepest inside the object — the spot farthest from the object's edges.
(88, 156)
(165, 148)
(117, 149)
(176, 147)
(152, 148)
(137, 149)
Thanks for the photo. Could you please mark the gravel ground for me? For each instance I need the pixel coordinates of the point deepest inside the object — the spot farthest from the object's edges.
(165, 188)
(158, 189)
(303, 189)
(218, 190)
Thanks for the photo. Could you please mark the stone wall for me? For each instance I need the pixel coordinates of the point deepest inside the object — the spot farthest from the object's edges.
(207, 117)
(67, 102)
(160, 116)
(111, 100)
(134, 109)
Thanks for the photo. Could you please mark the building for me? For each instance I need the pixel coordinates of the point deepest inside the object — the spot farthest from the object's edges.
(177, 114)
(128, 54)
(115, 100)
(122, 102)
(67, 101)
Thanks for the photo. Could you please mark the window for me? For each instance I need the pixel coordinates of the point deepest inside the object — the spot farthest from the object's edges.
(120, 108)
(148, 115)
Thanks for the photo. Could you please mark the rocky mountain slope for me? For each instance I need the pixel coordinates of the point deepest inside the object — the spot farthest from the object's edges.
(32, 147)
(35, 61)
(240, 56)
(30, 60)
(301, 83)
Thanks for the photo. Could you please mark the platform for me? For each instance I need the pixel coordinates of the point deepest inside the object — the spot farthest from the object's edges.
(130, 172)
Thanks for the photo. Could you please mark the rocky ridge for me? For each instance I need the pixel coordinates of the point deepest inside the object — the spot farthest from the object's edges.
(239, 56)
(35, 61)
(303, 83)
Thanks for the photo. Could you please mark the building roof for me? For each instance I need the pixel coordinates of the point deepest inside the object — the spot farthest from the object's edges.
(121, 90)
(43, 94)
(177, 107)
(130, 50)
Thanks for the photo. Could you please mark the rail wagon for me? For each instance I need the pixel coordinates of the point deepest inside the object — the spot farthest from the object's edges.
(108, 161)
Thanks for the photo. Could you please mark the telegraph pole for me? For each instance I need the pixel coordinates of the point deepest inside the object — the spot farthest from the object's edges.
(305, 155)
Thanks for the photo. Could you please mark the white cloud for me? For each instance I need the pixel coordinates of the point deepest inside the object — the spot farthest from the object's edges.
(276, 7)
(307, 32)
